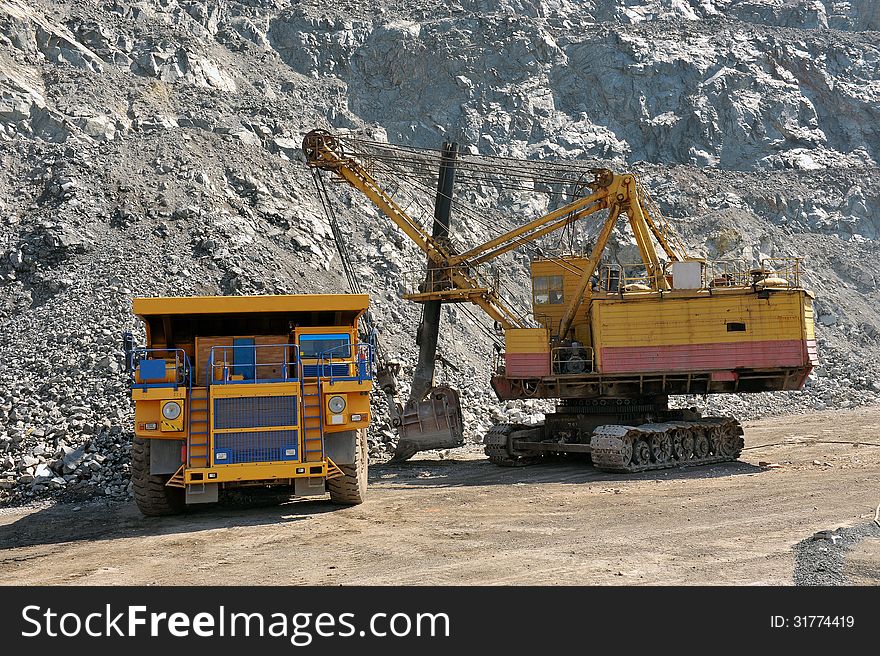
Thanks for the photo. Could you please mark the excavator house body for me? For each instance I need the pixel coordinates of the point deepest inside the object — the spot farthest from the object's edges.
(708, 334)
(247, 391)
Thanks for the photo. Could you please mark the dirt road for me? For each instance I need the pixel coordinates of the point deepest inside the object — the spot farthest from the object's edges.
(465, 521)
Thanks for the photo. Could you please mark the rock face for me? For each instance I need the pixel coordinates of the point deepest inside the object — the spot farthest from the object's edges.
(634, 80)
(152, 148)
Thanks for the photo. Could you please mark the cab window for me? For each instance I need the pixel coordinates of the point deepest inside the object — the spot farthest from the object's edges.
(547, 290)
(337, 345)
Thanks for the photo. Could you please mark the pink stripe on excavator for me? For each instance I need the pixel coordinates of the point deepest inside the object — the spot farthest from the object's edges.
(705, 357)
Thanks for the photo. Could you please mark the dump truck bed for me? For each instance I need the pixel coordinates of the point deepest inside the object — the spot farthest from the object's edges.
(188, 305)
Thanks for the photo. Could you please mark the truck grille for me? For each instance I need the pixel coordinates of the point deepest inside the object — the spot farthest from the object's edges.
(255, 412)
(266, 412)
(337, 370)
(268, 446)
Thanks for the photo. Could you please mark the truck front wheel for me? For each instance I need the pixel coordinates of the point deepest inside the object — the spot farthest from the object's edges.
(351, 488)
(152, 496)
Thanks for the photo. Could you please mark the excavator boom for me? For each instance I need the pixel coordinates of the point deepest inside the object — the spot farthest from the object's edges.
(431, 418)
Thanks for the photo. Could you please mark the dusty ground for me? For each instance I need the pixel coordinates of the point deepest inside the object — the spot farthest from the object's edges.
(863, 563)
(465, 521)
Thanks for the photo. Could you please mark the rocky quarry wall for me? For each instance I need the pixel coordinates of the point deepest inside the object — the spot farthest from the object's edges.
(152, 148)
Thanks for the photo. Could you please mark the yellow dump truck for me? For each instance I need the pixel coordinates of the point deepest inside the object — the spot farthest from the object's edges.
(233, 391)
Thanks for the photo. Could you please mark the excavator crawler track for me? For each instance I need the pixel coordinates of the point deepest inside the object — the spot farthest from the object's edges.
(632, 449)
(496, 441)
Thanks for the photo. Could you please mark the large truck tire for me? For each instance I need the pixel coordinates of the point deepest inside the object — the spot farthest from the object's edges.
(152, 496)
(351, 488)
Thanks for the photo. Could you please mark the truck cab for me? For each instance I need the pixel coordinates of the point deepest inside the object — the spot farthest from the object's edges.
(236, 391)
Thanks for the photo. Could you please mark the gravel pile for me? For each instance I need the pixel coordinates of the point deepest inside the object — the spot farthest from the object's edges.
(152, 148)
(819, 560)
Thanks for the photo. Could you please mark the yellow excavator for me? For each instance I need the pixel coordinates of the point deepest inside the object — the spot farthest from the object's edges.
(609, 342)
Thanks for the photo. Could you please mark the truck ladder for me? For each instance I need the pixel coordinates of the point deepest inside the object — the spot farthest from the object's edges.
(197, 444)
(312, 424)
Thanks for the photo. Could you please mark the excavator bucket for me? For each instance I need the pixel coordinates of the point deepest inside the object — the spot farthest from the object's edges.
(434, 423)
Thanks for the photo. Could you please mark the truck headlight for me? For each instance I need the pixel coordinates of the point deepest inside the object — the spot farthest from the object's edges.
(171, 410)
(336, 404)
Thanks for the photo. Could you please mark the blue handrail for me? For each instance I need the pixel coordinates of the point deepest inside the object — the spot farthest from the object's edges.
(224, 366)
(361, 373)
(291, 369)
